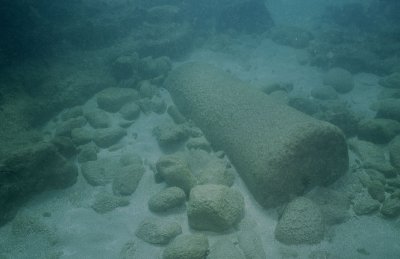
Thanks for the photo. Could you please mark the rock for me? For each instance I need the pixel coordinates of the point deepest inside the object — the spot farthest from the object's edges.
(113, 98)
(391, 207)
(106, 202)
(71, 113)
(127, 179)
(391, 81)
(251, 244)
(216, 175)
(389, 109)
(379, 131)
(105, 138)
(224, 248)
(199, 143)
(147, 89)
(27, 226)
(65, 146)
(145, 105)
(363, 204)
(169, 134)
(175, 114)
(340, 79)
(214, 207)
(305, 105)
(394, 152)
(324, 92)
(130, 111)
(88, 153)
(372, 156)
(154, 67)
(98, 119)
(100, 172)
(158, 105)
(81, 136)
(175, 171)
(333, 204)
(158, 232)
(128, 250)
(130, 158)
(125, 67)
(291, 36)
(167, 199)
(301, 223)
(377, 190)
(187, 247)
(65, 128)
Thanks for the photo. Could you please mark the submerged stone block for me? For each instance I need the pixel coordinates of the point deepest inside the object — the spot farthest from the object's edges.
(278, 151)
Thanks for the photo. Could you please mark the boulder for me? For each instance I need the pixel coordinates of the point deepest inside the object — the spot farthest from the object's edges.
(81, 136)
(105, 202)
(127, 179)
(278, 151)
(214, 207)
(169, 134)
(379, 131)
(363, 204)
(100, 172)
(155, 231)
(175, 171)
(301, 223)
(130, 111)
(167, 199)
(113, 98)
(98, 119)
(187, 246)
(340, 79)
(105, 138)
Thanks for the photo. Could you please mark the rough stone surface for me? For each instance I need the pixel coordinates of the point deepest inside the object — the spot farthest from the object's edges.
(340, 79)
(105, 138)
(175, 171)
(130, 111)
(88, 152)
(199, 143)
(224, 248)
(372, 156)
(155, 231)
(113, 98)
(379, 131)
(99, 172)
(251, 244)
(169, 134)
(391, 207)
(394, 152)
(167, 199)
(214, 207)
(106, 202)
(363, 204)
(389, 109)
(301, 223)
(98, 119)
(234, 117)
(81, 136)
(127, 179)
(377, 190)
(187, 247)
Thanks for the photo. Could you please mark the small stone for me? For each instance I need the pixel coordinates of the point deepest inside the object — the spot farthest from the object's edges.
(81, 136)
(377, 190)
(169, 134)
(158, 232)
(88, 153)
(65, 128)
(363, 204)
(199, 143)
(391, 207)
(100, 172)
(167, 199)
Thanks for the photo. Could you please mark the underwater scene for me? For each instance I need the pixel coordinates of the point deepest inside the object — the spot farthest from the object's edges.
(199, 129)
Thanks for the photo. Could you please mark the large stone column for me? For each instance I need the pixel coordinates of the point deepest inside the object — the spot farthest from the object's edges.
(278, 151)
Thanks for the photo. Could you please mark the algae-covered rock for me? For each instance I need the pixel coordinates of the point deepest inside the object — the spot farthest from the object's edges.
(155, 231)
(214, 207)
(127, 179)
(340, 79)
(175, 171)
(105, 138)
(301, 223)
(187, 247)
(168, 134)
(106, 202)
(167, 199)
(113, 98)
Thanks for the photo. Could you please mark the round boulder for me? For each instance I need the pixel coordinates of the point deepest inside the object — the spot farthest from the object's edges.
(301, 223)
(158, 232)
(214, 207)
(169, 198)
